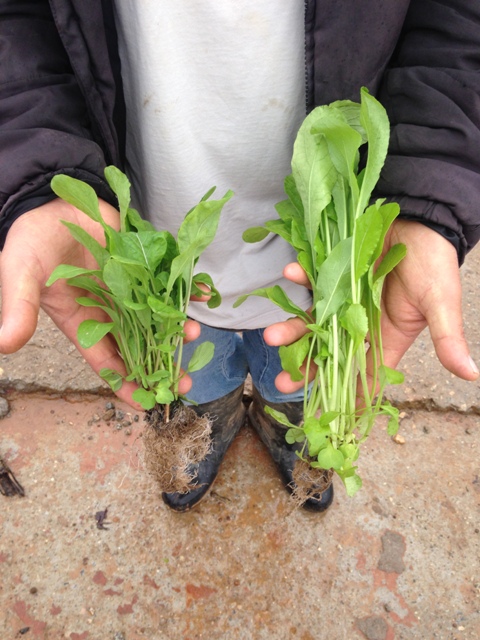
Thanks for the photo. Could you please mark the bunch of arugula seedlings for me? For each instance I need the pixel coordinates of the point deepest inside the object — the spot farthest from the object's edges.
(145, 279)
(338, 235)
(143, 283)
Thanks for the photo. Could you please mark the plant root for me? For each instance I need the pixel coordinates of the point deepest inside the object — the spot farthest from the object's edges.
(308, 482)
(173, 448)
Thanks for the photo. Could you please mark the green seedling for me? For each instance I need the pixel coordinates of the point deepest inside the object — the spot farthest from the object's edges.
(143, 283)
(338, 235)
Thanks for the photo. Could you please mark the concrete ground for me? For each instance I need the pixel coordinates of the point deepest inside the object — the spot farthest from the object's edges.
(398, 561)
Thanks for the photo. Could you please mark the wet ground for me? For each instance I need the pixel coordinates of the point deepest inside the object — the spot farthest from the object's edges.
(92, 553)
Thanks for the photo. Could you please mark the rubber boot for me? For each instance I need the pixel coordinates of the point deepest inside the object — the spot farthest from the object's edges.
(228, 415)
(272, 434)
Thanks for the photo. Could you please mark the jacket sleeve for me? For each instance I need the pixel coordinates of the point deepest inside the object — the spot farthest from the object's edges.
(44, 123)
(431, 90)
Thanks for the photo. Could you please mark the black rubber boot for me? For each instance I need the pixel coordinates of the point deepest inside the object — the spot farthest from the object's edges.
(228, 415)
(272, 435)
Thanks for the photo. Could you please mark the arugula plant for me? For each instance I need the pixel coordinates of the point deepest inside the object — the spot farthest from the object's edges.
(143, 283)
(338, 236)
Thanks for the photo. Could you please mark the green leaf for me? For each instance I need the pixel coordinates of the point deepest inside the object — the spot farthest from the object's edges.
(355, 322)
(196, 232)
(111, 377)
(92, 331)
(318, 436)
(145, 398)
(92, 286)
(313, 172)
(393, 422)
(255, 234)
(201, 356)
(291, 191)
(163, 395)
(165, 310)
(120, 185)
(136, 222)
(279, 297)
(200, 225)
(352, 484)
(293, 356)
(304, 259)
(343, 142)
(282, 228)
(84, 238)
(388, 212)
(394, 255)
(203, 278)
(66, 271)
(144, 248)
(374, 120)
(286, 210)
(368, 229)
(295, 434)
(328, 417)
(79, 194)
(333, 281)
(330, 458)
(156, 376)
(117, 280)
(390, 376)
(350, 451)
(279, 417)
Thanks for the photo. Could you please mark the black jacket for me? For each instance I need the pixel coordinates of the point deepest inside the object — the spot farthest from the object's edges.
(61, 105)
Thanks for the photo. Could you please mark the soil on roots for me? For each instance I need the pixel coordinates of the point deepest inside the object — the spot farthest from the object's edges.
(309, 482)
(172, 448)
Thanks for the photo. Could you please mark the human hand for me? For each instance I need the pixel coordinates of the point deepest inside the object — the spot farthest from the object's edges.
(37, 243)
(423, 290)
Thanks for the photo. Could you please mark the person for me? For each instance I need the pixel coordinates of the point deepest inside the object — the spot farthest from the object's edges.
(184, 96)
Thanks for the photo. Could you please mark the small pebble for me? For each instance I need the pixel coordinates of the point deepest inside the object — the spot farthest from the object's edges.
(128, 432)
(398, 439)
(119, 414)
(108, 415)
(4, 408)
(33, 590)
(109, 406)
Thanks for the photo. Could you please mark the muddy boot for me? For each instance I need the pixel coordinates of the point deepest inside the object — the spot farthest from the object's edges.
(228, 415)
(272, 435)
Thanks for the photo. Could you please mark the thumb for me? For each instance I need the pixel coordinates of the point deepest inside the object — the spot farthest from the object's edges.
(446, 329)
(20, 304)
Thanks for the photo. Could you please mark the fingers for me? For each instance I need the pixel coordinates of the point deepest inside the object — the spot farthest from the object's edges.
(192, 330)
(289, 331)
(283, 333)
(446, 329)
(295, 273)
(425, 290)
(20, 301)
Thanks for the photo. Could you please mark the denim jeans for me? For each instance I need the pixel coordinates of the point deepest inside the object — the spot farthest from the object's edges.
(235, 356)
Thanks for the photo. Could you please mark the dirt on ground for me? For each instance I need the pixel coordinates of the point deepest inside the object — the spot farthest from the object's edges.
(92, 553)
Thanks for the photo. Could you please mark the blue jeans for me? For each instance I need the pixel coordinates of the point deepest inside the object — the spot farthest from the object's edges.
(235, 356)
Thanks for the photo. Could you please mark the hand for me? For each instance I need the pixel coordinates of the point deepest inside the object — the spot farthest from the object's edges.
(423, 290)
(37, 243)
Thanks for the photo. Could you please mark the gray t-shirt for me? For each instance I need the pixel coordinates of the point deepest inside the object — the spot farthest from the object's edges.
(215, 95)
